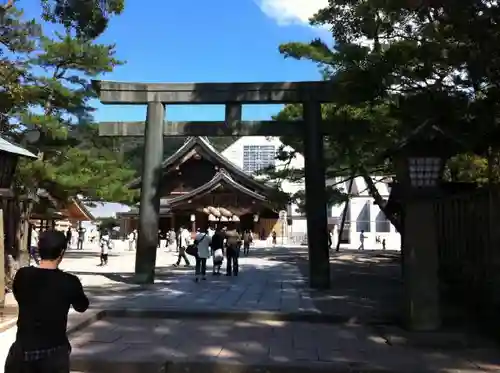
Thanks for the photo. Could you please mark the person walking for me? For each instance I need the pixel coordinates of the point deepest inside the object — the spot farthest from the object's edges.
(217, 246)
(247, 241)
(178, 240)
(233, 245)
(81, 238)
(132, 240)
(202, 242)
(69, 234)
(362, 240)
(171, 239)
(104, 242)
(160, 238)
(184, 242)
(34, 246)
(273, 235)
(92, 236)
(44, 296)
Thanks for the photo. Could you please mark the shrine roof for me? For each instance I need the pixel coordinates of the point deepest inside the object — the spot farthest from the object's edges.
(76, 210)
(202, 146)
(220, 178)
(49, 206)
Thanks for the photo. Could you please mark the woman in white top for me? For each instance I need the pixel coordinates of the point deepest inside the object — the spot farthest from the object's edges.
(202, 241)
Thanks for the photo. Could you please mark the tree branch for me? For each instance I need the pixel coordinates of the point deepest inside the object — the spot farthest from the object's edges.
(379, 200)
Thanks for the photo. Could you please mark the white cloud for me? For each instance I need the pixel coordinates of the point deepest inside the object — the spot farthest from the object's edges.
(287, 12)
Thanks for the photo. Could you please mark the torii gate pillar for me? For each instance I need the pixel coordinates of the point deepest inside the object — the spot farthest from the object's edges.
(149, 209)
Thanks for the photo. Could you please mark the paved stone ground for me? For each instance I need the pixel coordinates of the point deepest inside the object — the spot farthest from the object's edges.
(261, 285)
(366, 286)
(273, 280)
(252, 342)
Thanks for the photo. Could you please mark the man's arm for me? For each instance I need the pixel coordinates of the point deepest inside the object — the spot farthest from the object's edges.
(79, 301)
(17, 284)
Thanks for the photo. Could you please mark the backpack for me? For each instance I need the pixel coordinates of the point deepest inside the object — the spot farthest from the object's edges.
(233, 240)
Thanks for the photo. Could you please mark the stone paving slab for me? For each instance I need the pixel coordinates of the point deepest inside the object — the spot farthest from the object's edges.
(259, 343)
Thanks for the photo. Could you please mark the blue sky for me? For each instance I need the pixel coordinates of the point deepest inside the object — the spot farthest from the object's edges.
(206, 41)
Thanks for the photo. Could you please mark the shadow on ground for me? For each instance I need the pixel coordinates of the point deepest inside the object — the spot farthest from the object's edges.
(81, 254)
(146, 345)
(365, 286)
(366, 289)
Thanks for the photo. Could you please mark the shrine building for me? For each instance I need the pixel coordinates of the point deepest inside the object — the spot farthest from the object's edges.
(196, 177)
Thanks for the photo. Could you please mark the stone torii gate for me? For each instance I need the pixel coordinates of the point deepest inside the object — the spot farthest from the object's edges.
(233, 96)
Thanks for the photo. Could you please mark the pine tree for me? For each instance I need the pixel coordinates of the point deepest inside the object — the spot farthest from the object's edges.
(87, 18)
(397, 64)
(69, 166)
(46, 87)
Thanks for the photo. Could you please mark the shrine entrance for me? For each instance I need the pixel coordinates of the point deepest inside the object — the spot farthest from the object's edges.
(233, 95)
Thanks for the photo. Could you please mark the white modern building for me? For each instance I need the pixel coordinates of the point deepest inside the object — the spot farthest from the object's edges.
(252, 153)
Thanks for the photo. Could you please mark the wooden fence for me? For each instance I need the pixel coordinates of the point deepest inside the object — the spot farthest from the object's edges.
(469, 250)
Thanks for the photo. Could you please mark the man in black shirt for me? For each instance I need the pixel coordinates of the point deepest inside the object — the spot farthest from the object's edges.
(44, 295)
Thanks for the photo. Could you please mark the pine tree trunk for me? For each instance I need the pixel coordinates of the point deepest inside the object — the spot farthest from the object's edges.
(380, 201)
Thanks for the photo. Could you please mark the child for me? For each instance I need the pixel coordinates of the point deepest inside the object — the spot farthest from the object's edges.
(104, 248)
(218, 259)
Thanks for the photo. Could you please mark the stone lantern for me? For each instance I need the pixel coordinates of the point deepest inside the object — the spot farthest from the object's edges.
(420, 159)
(419, 163)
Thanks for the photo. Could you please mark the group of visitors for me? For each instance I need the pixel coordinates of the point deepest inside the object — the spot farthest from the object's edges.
(74, 237)
(219, 244)
(80, 234)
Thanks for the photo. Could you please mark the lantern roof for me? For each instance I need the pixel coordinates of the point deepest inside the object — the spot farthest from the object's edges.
(11, 148)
